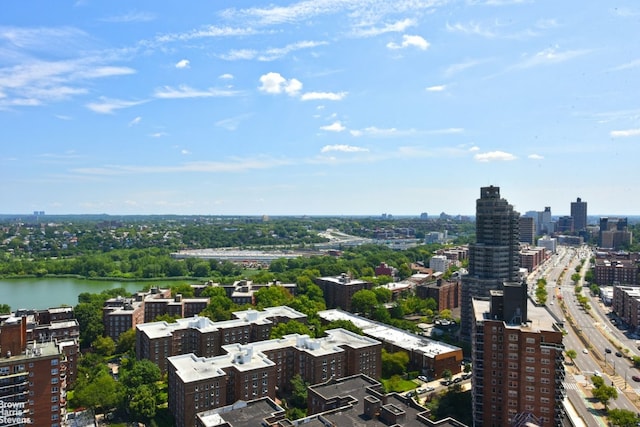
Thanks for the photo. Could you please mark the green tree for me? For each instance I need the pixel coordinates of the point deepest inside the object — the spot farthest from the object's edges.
(571, 354)
(89, 321)
(142, 403)
(272, 296)
(126, 342)
(298, 397)
(104, 346)
(364, 301)
(290, 327)
(622, 418)
(344, 324)
(5, 309)
(100, 393)
(394, 363)
(447, 374)
(604, 394)
(383, 295)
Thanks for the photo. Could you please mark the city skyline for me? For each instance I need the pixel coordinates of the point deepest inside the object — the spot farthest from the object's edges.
(318, 107)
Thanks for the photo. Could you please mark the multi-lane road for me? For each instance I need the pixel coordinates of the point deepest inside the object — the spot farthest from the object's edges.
(590, 333)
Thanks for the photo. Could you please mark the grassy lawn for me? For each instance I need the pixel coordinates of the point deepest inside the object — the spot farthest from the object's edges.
(398, 384)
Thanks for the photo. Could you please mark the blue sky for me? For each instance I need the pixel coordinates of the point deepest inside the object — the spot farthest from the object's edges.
(318, 107)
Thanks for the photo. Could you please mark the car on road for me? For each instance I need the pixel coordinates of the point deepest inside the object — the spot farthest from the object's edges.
(597, 373)
(635, 378)
(618, 354)
(585, 351)
(607, 350)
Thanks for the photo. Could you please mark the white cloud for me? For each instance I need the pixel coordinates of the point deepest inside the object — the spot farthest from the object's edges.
(329, 96)
(410, 41)
(269, 54)
(334, 127)
(396, 27)
(624, 133)
(456, 68)
(494, 156)
(185, 152)
(343, 148)
(472, 28)
(226, 76)
(474, 148)
(135, 121)
(629, 65)
(378, 132)
(108, 106)
(550, 56)
(183, 63)
(228, 165)
(274, 83)
(158, 134)
(133, 16)
(232, 123)
(184, 91)
(438, 88)
(535, 157)
(445, 131)
(98, 72)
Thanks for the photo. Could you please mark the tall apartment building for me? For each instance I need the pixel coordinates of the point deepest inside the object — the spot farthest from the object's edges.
(518, 368)
(614, 233)
(527, 230)
(565, 224)
(495, 256)
(176, 306)
(339, 290)
(439, 263)
(32, 378)
(579, 215)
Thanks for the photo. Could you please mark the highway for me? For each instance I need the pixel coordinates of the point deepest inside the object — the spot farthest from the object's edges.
(589, 333)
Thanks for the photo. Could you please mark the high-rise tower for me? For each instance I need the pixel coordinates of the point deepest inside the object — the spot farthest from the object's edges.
(494, 258)
(579, 215)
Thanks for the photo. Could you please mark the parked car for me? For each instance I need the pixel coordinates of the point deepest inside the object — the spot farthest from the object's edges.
(446, 382)
(422, 378)
(635, 378)
(429, 388)
(457, 380)
(466, 376)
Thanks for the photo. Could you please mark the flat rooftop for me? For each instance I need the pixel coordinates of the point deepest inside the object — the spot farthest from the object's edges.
(389, 334)
(539, 318)
(241, 413)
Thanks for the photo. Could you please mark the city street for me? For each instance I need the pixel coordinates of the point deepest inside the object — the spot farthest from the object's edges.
(589, 337)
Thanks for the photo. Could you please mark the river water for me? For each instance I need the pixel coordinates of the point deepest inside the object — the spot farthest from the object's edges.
(41, 293)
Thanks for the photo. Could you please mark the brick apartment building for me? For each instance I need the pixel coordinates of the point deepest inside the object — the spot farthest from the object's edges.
(352, 401)
(626, 304)
(429, 357)
(619, 268)
(532, 257)
(257, 370)
(176, 307)
(517, 361)
(157, 341)
(338, 291)
(33, 377)
(446, 293)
